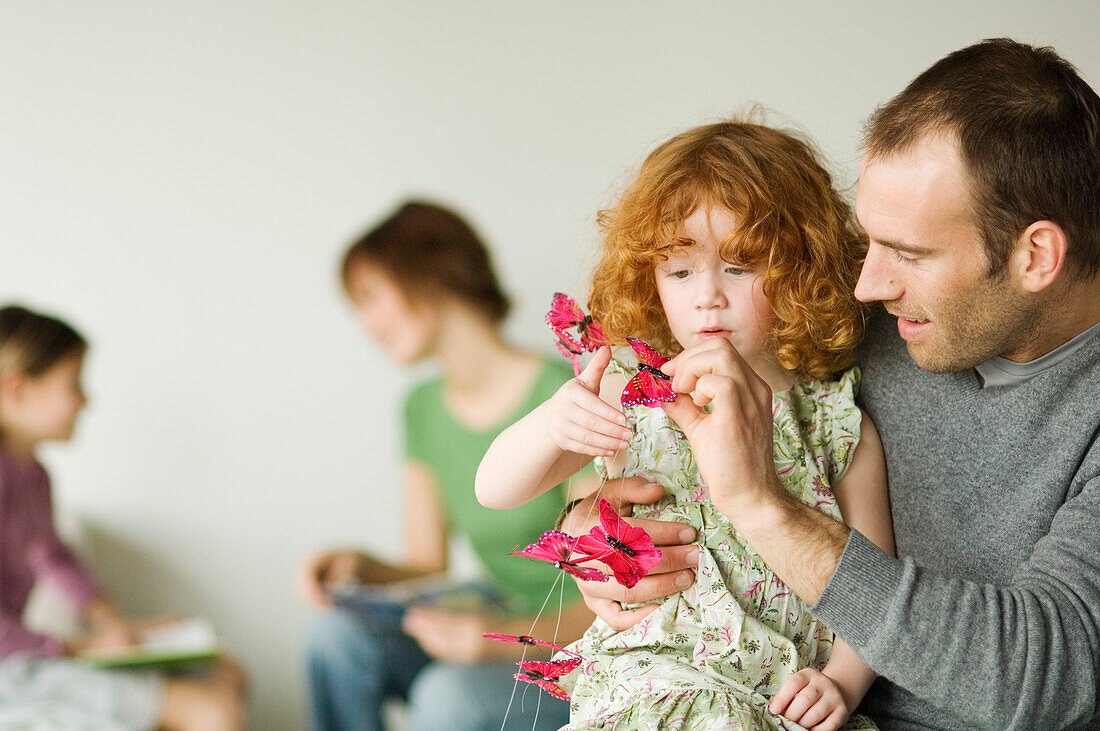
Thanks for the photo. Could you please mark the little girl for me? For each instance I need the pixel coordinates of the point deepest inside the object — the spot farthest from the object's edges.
(41, 359)
(730, 230)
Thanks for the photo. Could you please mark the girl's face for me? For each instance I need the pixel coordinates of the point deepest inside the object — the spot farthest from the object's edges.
(705, 297)
(46, 406)
(406, 330)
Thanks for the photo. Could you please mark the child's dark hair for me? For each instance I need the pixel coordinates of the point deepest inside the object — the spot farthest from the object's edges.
(429, 250)
(32, 343)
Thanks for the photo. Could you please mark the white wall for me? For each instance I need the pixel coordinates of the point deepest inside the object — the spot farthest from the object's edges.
(179, 179)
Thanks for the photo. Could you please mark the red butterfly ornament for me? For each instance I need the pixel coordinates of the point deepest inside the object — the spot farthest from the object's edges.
(527, 640)
(628, 551)
(649, 387)
(566, 316)
(557, 548)
(543, 674)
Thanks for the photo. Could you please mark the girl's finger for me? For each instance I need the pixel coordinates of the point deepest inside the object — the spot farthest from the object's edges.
(802, 702)
(593, 404)
(592, 374)
(835, 720)
(817, 713)
(790, 688)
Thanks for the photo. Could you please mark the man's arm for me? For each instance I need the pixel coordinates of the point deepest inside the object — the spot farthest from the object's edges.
(1022, 655)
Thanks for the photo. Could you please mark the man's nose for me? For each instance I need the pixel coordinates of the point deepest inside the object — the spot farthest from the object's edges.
(878, 279)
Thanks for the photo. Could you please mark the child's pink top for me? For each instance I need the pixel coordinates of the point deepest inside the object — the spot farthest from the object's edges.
(29, 551)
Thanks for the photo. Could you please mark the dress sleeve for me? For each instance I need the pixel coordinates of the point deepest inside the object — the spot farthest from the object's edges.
(1020, 655)
(841, 427)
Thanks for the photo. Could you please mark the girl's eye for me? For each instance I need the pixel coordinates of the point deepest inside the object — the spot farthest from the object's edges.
(679, 273)
(736, 270)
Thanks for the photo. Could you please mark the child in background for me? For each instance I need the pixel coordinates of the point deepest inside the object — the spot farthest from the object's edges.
(40, 687)
(730, 230)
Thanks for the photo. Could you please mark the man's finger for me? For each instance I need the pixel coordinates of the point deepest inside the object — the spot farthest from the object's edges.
(616, 617)
(650, 587)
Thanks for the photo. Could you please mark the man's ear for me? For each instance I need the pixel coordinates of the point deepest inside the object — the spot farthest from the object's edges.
(1039, 256)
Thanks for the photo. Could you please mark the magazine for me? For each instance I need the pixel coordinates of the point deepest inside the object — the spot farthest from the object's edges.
(387, 603)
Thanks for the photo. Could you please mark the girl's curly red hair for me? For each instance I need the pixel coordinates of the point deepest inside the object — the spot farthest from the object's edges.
(792, 225)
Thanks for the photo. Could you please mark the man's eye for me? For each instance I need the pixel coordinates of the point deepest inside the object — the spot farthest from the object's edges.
(902, 257)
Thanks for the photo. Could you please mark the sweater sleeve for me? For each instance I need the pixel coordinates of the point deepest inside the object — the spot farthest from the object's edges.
(52, 560)
(16, 638)
(1022, 655)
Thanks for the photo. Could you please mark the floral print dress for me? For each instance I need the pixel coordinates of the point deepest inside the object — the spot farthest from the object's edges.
(713, 655)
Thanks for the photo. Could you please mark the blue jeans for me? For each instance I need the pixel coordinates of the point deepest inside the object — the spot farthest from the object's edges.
(353, 668)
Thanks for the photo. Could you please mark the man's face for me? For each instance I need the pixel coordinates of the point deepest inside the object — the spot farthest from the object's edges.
(926, 261)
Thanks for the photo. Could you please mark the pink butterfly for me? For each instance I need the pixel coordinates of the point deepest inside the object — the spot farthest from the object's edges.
(649, 386)
(557, 547)
(526, 640)
(566, 315)
(543, 674)
(628, 551)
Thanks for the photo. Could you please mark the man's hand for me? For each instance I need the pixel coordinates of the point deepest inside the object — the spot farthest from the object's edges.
(674, 572)
(732, 442)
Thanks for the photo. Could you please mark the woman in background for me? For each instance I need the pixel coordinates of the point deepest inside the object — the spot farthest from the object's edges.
(424, 287)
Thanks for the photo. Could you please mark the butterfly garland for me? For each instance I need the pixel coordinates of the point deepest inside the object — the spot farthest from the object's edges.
(542, 673)
(627, 550)
(649, 386)
(565, 317)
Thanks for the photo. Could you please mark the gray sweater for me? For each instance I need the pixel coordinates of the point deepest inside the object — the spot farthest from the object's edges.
(990, 617)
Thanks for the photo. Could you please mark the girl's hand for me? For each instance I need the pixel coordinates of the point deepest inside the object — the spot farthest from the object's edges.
(583, 423)
(811, 699)
(447, 636)
(334, 567)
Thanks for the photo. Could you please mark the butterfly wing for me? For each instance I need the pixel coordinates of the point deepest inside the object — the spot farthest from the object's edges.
(564, 312)
(646, 353)
(556, 547)
(552, 546)
(546, 685)
(549, 669)
(592, 336)
(524, 640)
(627, 550)
(574, 357)
(646, 389)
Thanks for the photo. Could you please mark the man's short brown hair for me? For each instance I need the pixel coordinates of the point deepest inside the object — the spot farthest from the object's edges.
(1028, 131)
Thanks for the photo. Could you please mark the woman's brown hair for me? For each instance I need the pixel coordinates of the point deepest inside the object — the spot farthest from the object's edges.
(429, 250)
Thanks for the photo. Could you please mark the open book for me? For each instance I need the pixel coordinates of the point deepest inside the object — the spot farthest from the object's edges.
(186, 641)
(386, 603)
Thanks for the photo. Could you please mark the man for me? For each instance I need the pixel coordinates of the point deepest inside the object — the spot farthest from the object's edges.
(980, 193)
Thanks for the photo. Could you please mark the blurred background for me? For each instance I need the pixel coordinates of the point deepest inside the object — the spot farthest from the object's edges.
(179, 179)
